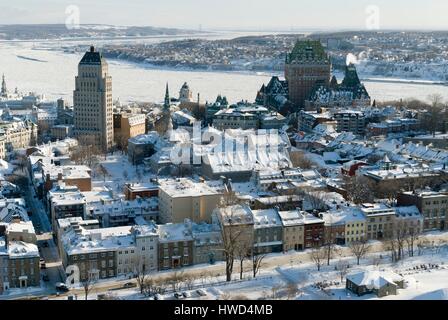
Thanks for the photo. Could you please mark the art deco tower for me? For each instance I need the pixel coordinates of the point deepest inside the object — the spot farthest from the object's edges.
(92, 101)
(4, 90)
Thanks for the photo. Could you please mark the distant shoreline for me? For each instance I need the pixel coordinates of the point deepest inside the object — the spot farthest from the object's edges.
(404, 81)
(266, 72)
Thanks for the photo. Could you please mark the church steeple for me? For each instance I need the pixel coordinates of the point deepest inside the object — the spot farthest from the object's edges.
(4, 90)
(166, 104)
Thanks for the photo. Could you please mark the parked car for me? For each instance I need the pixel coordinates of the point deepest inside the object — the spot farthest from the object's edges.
(186, 294)
(158, 297)
(201, 292)
(129, 285)
(178, 295)
(62, 287)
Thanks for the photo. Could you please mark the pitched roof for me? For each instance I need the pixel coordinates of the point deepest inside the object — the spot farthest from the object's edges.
(374, 279)
(308, 51)
(92, 57)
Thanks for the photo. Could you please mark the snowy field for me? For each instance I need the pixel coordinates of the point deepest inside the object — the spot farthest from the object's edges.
(119, 171)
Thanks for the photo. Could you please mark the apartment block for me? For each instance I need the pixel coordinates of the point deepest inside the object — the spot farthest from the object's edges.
(432, 205)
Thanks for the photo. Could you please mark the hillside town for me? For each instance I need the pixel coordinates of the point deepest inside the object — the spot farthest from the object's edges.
(163, 198)
(410, 55)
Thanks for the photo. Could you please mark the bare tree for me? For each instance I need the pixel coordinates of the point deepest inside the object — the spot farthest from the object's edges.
(102, 171)
(330, 240)
(411, 239)
(140, 273)
(342, 268)
(21, 161)
(149, 287)
(121, 141)
(389, 191)
(125, 174)
(299, 159)
(359, 249)
(257, 261)
(397, 240)
(291, 291)
(315, 200)
(159, 286)
(87, 151)
(175, 280)
(189, 280)
(433, 119)
(318, 256)
(231, 233)
(359, 189)
(275, 289)
(391, 246)
(242, 253)
(88, 283)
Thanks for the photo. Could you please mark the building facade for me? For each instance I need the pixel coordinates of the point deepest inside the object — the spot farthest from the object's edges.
(268, 231)
(293, 230)
(432, 205)
(380, 221)
(23, 265)
(127, 126)
(350, 121)
(92, 100)
(175, 246)
(187, 199)
(306, 66)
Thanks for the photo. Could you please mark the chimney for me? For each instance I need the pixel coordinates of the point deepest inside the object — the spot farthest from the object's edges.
(60, 176)
(92, 48)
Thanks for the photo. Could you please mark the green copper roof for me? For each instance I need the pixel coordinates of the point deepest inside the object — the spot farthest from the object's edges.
(308, 51)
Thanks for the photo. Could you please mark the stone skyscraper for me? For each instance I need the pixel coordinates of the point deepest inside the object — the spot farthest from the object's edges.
(4, 90)
(92, 101)
(306, 66)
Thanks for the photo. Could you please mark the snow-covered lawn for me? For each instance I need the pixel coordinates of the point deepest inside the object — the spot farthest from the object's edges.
(119, 171)
(426, 277)
(421, 283)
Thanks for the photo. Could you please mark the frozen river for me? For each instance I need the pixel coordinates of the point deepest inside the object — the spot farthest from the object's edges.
(40, 68)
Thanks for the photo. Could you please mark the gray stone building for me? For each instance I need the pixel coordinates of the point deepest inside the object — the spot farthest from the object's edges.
(268, 231)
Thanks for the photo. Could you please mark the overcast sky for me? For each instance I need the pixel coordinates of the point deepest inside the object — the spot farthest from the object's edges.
(233, 14)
